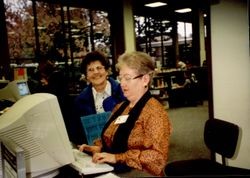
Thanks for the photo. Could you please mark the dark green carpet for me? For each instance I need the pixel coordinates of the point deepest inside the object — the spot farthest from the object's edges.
(186, 141)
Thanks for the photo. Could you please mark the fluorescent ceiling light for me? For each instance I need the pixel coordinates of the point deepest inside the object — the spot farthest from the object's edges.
(65, 8)
(156, 4)
(75, 30)
(41, 28)
(185, 10)
(165, 21)
(76, 36)
(71, 21)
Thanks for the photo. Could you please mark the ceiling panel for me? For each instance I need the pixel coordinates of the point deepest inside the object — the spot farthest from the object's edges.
(165, 12)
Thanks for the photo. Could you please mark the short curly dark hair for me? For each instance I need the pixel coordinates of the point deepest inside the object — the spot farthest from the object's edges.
(92, 57)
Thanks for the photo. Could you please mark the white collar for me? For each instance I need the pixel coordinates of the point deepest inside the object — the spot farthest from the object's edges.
(107, 90)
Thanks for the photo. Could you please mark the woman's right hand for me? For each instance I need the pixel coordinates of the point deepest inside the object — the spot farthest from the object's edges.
(88, 148)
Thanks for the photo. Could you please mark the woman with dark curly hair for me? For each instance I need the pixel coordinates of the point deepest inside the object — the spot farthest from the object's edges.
(101, 94)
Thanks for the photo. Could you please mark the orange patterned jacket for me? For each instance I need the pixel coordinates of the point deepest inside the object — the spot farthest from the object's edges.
(148, 141)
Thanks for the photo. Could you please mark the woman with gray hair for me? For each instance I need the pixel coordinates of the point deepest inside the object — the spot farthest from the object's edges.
(138, 131)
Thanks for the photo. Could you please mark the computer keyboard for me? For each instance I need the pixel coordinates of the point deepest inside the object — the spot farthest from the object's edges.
(83, 163)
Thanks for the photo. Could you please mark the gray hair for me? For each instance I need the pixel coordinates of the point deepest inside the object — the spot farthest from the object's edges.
(139, 61)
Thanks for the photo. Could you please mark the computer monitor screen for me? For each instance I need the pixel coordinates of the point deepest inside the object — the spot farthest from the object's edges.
(23, 88)
(36, 125)
(15, 90)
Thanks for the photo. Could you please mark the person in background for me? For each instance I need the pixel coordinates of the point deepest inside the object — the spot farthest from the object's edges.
(101, 94)
(204, 63)
(137, 134)
(53, 80)
(182, 65)
(187, 92)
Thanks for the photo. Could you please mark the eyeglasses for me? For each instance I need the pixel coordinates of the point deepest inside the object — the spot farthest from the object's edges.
(128, 78)
(98, 68)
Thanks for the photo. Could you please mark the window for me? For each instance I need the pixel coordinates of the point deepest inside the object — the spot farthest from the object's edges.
(63, 34)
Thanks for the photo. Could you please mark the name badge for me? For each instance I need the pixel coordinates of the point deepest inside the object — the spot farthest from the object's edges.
(121, 119)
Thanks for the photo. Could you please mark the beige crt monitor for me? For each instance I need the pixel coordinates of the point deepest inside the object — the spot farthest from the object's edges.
(36, 125)
(15, 90)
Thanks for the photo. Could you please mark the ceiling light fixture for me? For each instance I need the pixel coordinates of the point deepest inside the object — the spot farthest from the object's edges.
(165, 21)
(41, 28)
(75, 30)
(156, 4)
(76, 36)
(71, 21)
(185, 10)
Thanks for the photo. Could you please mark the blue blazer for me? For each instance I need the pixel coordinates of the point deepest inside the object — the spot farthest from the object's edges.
(84, 105)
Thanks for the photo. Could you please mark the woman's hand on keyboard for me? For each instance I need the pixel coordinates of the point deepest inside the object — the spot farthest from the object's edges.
(88, 148)
(104, 158)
